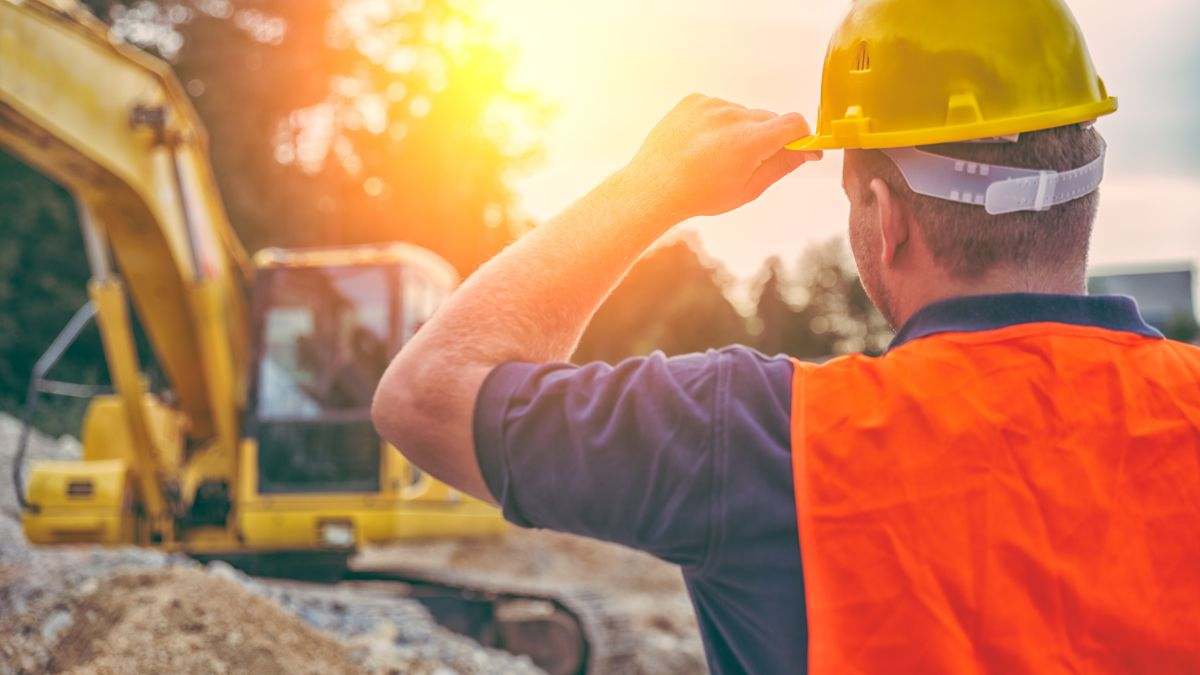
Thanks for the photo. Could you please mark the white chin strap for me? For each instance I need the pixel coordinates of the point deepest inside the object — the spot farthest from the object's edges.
(999, 189)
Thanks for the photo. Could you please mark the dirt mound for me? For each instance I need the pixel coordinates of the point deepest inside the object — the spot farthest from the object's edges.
(174, 620)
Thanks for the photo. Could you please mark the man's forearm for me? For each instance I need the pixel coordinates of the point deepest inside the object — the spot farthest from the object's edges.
(534, 300)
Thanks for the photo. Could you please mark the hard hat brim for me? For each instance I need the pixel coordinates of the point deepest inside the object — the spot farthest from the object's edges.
(955, 134)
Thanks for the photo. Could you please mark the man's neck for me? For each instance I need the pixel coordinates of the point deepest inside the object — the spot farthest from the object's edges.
(997, 282)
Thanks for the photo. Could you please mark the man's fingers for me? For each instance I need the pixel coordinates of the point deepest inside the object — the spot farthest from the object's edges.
(773, 169)
(719, 154)
(775, 133)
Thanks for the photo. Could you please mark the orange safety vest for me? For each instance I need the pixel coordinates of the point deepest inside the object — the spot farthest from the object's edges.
(1023, 499)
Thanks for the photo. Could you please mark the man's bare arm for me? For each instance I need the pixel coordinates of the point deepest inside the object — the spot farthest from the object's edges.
(532, 302)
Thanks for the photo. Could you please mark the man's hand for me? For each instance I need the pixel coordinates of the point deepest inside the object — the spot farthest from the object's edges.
(709, 156)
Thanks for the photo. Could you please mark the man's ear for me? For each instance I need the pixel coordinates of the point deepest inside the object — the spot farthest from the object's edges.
(893, 222)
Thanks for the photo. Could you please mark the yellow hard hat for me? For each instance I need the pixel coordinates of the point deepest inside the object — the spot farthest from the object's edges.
(902, 73)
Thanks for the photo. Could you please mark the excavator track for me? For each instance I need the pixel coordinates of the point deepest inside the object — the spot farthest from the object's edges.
(564, 629)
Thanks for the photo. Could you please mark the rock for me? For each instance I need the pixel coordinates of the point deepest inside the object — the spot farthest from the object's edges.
(89, 586)
(55, 624)
(223, 570)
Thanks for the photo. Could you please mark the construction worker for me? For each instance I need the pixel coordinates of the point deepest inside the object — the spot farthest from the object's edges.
(1013, 487)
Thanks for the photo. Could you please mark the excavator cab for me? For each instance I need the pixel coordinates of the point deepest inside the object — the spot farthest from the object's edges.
(325, 325)
(311, 482)
(325, 335)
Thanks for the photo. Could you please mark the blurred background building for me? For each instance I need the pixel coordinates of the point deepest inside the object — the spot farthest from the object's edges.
(1164, 291)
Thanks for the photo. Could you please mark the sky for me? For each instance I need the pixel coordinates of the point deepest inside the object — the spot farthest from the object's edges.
(613, 68)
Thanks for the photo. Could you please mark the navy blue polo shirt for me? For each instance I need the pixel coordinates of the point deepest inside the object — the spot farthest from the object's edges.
(689, 459)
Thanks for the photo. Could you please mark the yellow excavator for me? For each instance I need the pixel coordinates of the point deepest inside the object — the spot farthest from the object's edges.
(260, 450)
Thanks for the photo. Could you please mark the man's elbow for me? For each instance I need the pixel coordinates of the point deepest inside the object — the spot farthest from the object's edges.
(392, 408)
(427, 416)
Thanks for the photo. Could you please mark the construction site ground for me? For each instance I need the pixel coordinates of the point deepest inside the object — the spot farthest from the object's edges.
(90, 610)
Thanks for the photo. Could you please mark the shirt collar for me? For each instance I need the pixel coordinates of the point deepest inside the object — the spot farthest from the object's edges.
(990, 312)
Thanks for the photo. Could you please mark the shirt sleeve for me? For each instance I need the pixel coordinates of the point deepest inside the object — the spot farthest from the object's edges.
(627, 453)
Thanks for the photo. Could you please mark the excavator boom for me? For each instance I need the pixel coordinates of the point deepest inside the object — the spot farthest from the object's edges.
(134, 155)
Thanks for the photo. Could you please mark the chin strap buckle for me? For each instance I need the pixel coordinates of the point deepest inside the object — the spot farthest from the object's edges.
(1046, 185)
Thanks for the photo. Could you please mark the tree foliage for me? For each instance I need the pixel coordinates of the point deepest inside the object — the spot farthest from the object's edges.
(41, 284)
(818, 311)
(1183, 327)
(835, 307)
(673, 301)
(350, 122)
(676, 300)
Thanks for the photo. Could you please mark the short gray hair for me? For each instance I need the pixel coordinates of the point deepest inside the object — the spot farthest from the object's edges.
(968, 241)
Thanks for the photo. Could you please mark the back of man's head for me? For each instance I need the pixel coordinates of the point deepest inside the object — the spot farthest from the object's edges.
(966, 241)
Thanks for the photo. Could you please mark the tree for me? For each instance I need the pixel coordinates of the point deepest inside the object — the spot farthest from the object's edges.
(822, 312)
(836, 305)
(773, 315)
(1182, 327)
(673, 300)
(351, 122)
(37, 290)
